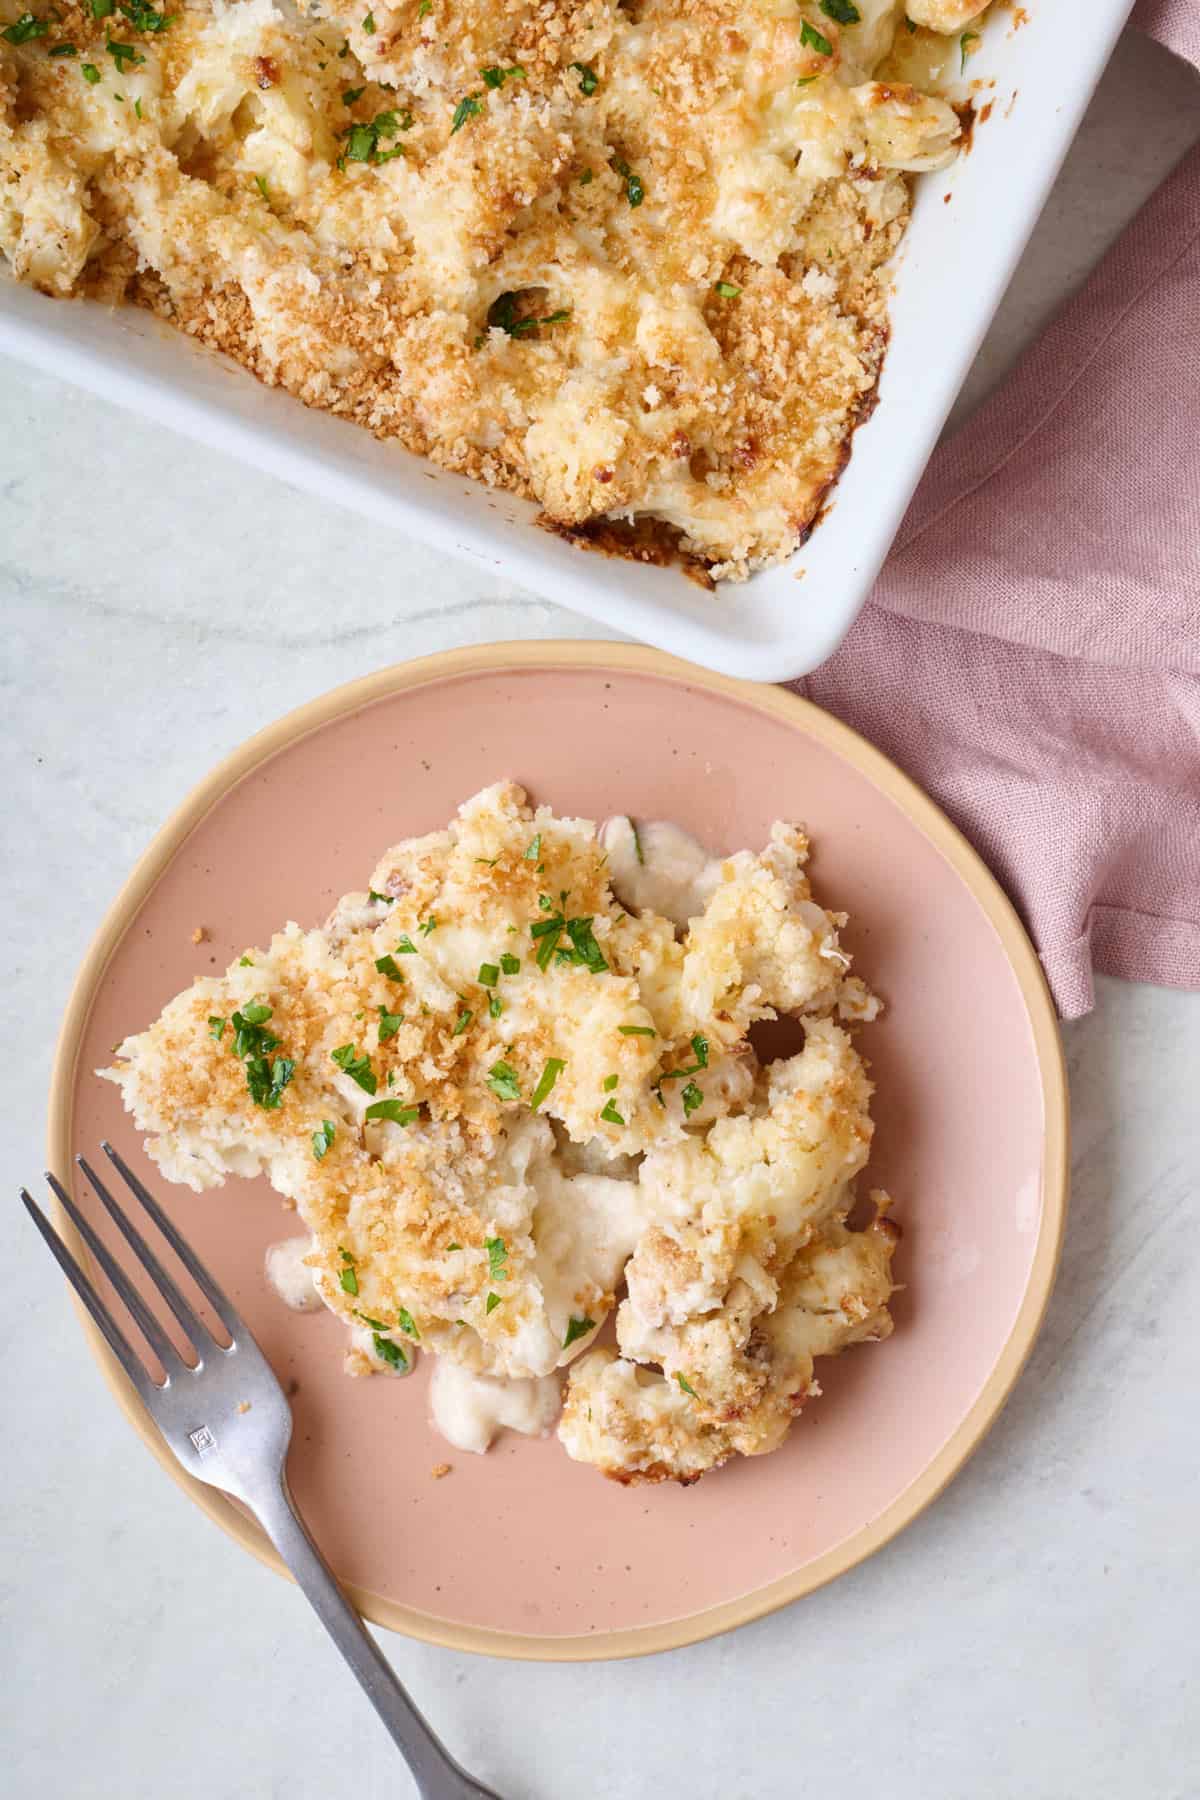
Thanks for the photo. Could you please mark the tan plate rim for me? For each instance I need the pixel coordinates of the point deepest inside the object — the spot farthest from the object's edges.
(631, 659)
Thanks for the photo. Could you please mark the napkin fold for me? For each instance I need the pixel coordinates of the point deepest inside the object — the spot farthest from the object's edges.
(1031, 651)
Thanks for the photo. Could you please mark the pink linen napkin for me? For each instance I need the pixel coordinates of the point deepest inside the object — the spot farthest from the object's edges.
(1031, 651)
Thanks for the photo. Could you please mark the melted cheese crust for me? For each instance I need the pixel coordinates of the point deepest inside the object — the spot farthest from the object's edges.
(374, 209)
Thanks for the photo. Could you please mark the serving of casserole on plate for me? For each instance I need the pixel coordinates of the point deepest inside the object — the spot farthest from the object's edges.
(628, 268)
(579, 1152)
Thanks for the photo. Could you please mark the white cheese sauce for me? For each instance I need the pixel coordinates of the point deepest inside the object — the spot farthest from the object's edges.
(290, 1276)
(660, 867)
(469, 1410)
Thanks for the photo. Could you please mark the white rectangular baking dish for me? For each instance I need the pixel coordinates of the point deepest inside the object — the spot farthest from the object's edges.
(969, 228)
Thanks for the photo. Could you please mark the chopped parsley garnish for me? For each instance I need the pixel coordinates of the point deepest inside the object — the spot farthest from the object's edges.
(345, 49)
(389, 1024)
(700, 1052)
(727, 291)
(493, 1301)
(609, 1112)
(348, 1279)
(534, 849)
(966, 44)
(405, 1321)
(510, 964)
(90, 73)
(587, 949)
(489, 974)
(406, 947)
(450, 1247)
(466, 109)
(144, 18)
(496, 77)
(126, 56)
(255, 1014)
(586, 178)
(363, 141)
(463, 1020)
(260, 182)
(910, 28)
(503, 1082)
(64, 50)
(812, 39)
(549, 931)
(502, 314)
(495, 1006)
(428, 925)
(266, 1079)
(101, 9)
(807, 81)
(686, 1385)
(637, 1031)
(358, 1068)
(252, 1044)
(843, 12)
(386, 965)
(692, 1097)
(545, 902)
(368, 24)
(216, 1026)
(387, 899)
(635, 192)
(321, 1140)
(349, 96)
(137, 107)
(497, 1251)
(610, 1082)
(589, 81)
(577, 1328)
(24, 29)
(245, 962)
(392, 1354)
(425, 8)
(546, 1080)
(395, 1110)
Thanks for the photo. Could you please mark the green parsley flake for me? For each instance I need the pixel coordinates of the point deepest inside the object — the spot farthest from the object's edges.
(386, 965)
(610, 1082)
(428, 925)
(260, 182)
(812, 39)
(497, 1251)
(64, 50)
(384, 899)
(321, 1140)
(586, 179)
(610, 1114)
(450, 1247)
(25, 29)
(510, 964)
(126, 56)
(534, 849)
(216, 1026)
(546, 1081)
(90, 73)
(425, 8)
(495, 1006)
(461, 1023)
(467, 108)
(586, 948)
(389, 1024)
(577, 1328)
(493, 1301)
(502, 314)
(363, 141)
(489, 974)
(349, 96)
(245, 962)
(101, 9)
(392, 1354)
(368, 24)
(406, 947)
(358, 1068)
(137, 107)
(686, 1385)
(843, 12)
(635, 192)
(503, 1082)
(496, 77)
(144, 18)
(637, 842)
(393, 1110)
(966, 46)
(692, 1097)
(405, 1321)
(727, 290)
(589, 81)
(348, 1279)
(637, 1031)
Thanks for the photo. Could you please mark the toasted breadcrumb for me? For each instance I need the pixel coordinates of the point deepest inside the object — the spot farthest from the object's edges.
(440, 1470)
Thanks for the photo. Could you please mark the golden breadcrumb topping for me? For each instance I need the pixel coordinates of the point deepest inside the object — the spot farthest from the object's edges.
(500, 1093)
(624, 260)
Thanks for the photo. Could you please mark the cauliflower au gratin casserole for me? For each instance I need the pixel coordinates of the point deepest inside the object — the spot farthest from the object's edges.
(623, 259)
(502, 1088)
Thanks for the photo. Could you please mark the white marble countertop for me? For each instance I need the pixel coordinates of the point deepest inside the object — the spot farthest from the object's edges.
(1033, 1634)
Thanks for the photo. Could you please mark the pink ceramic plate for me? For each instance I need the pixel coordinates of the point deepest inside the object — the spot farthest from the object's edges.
(523, 1552)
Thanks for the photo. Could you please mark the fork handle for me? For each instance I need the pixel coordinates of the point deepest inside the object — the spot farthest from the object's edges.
(437, 1775)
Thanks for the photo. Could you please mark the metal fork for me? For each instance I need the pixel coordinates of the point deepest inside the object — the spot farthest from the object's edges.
(228, 1422)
